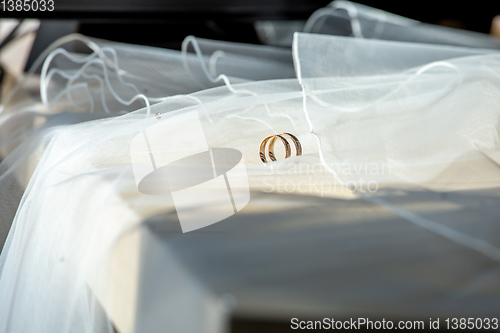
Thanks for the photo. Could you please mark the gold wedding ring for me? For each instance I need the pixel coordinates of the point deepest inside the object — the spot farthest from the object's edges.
(272, 140)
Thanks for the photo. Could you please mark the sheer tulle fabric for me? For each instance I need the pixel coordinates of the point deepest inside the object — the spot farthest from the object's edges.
(427, 114)
(345, 18)
(113, 78)
(431, 109)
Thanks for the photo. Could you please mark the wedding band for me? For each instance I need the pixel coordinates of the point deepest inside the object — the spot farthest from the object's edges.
(262, 149)
(272, 141)
(288, 150)
(296, 142)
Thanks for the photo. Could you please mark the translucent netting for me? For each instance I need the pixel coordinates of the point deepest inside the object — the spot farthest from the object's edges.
(352, 19)
(111, 78)
(428, 119)
(94, 157)
(328, 56)
(114, 77)
(247, 61)
(106, 81)
(24, 137)
(345, 18)
(427, 113)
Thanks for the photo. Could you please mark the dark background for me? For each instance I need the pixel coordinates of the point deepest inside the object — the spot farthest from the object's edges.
(166, 23)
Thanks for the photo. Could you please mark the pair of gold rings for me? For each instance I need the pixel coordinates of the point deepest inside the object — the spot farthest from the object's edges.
(272, 140)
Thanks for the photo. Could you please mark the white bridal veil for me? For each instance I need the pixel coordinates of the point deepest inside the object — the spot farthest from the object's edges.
(347, 18)
(370, 114)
